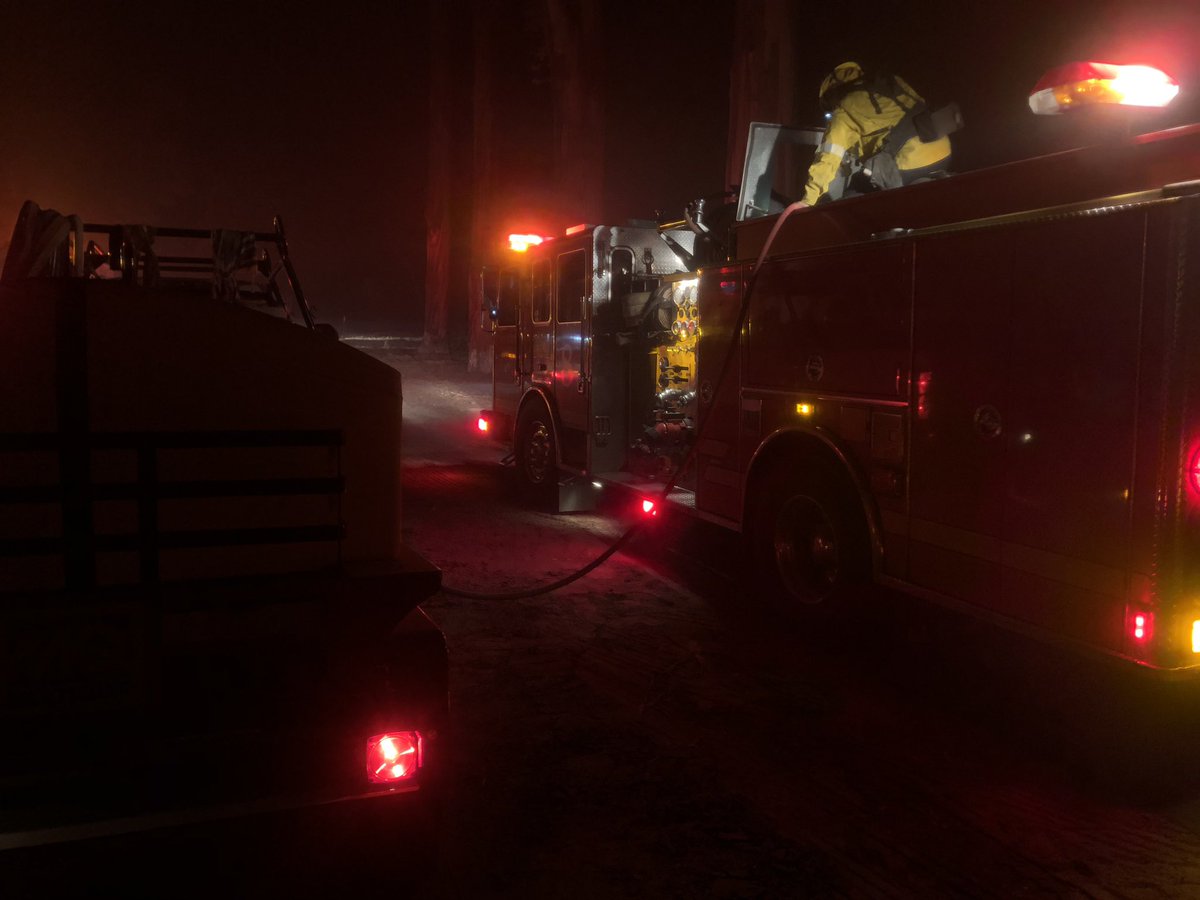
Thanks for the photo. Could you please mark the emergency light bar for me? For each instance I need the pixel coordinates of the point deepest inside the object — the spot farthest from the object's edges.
(522, 242)
(1101, 84)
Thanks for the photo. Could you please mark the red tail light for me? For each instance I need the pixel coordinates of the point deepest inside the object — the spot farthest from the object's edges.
(649, 508)
(1140, 625)
(1194, 471)
(393, 757)
(482, 424)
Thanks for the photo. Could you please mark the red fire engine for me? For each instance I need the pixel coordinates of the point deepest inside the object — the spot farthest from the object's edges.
(980, 389)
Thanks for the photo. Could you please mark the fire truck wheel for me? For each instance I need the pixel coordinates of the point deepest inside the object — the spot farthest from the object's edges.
(808, 542)
(536, 456)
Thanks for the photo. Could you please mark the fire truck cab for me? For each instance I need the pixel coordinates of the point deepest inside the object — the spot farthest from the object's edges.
(979, 390)
(569, 358)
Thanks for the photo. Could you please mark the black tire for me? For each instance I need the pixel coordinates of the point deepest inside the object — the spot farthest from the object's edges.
(808, 541)
(537, 454)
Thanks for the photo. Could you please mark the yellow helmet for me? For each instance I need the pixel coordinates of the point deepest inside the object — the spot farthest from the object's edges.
(832, 88)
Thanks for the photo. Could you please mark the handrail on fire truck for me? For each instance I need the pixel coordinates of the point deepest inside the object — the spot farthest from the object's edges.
(46, 243)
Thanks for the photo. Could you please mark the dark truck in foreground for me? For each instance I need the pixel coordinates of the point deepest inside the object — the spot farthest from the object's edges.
(206, 608)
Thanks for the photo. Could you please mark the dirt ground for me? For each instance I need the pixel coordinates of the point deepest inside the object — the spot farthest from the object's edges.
(650, 731)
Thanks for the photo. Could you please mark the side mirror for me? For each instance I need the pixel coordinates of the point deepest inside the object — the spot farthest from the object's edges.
(487, 318)
(489, 289)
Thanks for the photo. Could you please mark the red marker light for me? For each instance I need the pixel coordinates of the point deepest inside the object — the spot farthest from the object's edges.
(1140, 625)
(649, 508)
(576, 229)
(394, 756)
(482, 424)
(1194, 471)
(923, 381)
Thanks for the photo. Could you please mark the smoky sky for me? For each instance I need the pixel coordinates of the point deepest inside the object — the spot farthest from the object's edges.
(224, 114)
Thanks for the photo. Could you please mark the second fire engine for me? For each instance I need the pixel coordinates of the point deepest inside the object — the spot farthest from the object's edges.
(981, 390)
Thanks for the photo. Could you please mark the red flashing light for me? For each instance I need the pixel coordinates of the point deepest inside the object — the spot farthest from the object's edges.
(576, 229)
(1091, 83)
(650, 508)
(519, 243)
(482, 424)
(394, 757)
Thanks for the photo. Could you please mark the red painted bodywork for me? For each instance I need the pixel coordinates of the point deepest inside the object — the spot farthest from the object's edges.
(1043, 411)
(998, 362)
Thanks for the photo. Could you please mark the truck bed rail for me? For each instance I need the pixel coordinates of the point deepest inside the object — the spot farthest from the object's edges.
(77, 491)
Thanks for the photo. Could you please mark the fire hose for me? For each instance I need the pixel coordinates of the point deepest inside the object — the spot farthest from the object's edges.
(628, 534)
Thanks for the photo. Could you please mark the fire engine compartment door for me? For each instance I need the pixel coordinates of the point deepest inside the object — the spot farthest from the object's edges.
(1023, 456)
(1070, 426)
(571, 358)
(507, 378)
(537, 345)
(961, 314)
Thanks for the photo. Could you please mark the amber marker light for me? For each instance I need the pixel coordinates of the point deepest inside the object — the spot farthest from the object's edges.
(804, 409)
(1196, 636)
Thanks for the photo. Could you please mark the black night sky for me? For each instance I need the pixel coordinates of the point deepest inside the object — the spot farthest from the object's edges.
(221, 115)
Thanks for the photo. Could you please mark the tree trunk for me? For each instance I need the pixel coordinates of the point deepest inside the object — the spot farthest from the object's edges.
(576, 44)
(763, 77)
(483, 212)
(439, 188)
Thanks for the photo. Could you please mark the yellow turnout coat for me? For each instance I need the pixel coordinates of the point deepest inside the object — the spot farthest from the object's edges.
(860, 123)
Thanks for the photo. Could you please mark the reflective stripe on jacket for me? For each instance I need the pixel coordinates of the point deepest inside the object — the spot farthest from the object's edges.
(856, 127)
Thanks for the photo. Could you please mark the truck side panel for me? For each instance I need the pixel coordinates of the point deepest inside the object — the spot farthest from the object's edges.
(106, 358)
(833, 323)
(1069, 435)
(1166, 495)
(719, 481)
(829, 356)
(961, 313)
(1027, 340)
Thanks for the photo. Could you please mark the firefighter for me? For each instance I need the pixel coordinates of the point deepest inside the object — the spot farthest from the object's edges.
(874, 137)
